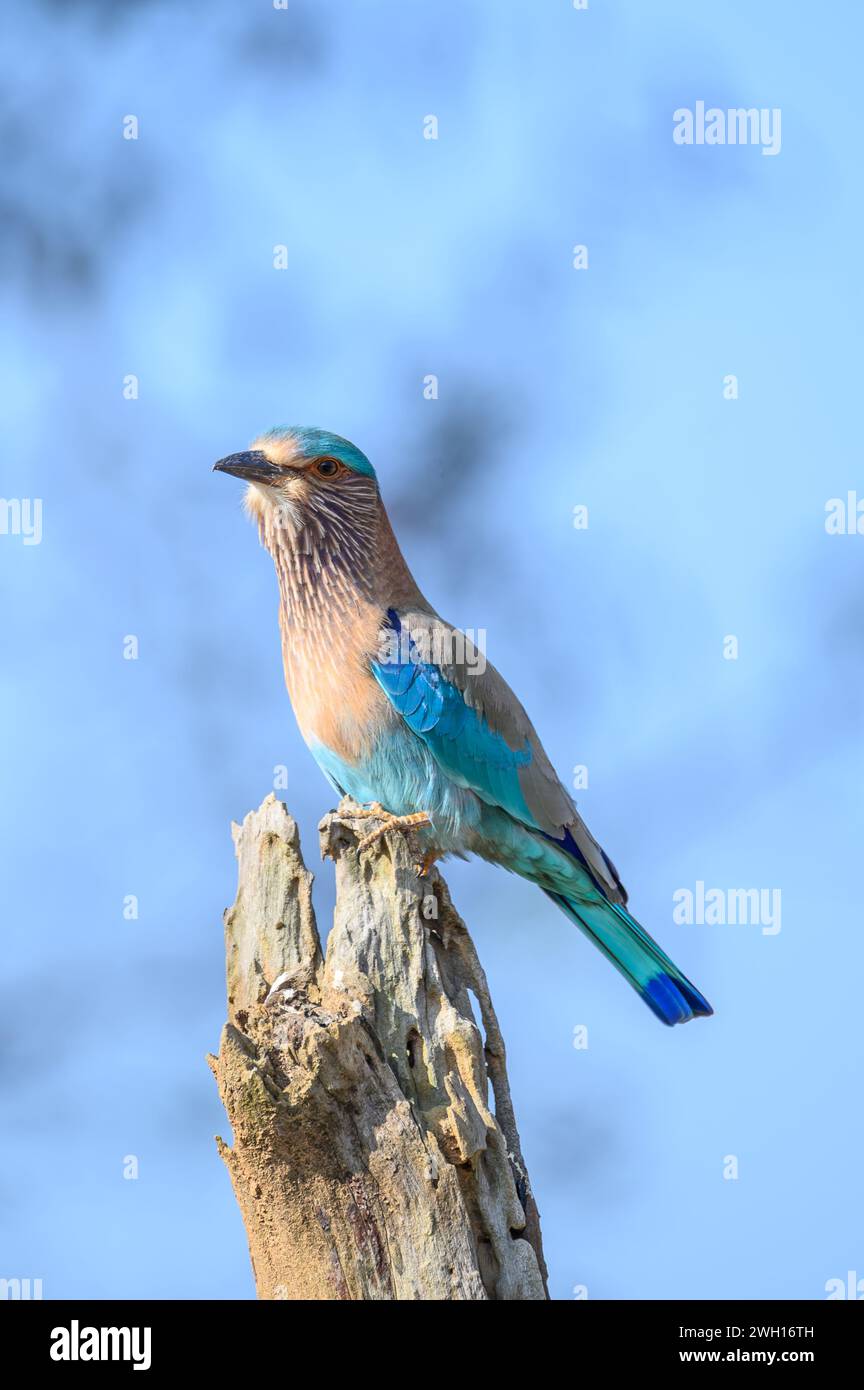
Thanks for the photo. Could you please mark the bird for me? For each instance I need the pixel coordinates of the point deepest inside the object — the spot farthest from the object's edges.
(404, 714)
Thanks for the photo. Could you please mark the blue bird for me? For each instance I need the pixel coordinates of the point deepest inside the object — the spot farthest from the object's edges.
(403, 713)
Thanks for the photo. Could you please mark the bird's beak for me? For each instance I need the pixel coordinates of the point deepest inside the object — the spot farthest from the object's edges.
(253, 467)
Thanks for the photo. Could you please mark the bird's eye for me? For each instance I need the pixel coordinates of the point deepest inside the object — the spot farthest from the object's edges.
(327, 468)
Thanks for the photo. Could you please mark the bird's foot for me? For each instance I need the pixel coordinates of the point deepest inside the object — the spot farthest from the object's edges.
(373, 811)
(389, 822)
(426, 863)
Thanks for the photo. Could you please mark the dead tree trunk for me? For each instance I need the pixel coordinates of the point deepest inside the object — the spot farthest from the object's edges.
(367, 1160)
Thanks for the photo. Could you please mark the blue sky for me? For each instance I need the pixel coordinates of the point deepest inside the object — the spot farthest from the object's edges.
(557, 388)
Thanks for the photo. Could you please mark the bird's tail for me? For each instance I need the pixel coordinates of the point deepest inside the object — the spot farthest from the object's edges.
(631, 950)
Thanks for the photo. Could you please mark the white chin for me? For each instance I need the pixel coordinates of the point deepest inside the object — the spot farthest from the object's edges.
(258, 498)
(272, 509)
(288, 517)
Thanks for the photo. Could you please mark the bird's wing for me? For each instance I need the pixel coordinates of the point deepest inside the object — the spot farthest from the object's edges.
(478, 732)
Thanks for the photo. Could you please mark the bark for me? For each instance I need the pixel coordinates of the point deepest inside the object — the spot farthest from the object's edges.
(375, 1152)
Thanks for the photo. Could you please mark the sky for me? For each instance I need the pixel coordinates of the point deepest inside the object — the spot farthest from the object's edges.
(697, 646)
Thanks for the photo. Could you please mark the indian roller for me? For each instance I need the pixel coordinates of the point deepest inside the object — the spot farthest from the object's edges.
(402, 712)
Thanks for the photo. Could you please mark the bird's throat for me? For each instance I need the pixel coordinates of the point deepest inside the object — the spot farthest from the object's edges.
(338, 575)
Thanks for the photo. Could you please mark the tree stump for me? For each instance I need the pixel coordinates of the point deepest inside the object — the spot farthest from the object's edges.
(375, 1151)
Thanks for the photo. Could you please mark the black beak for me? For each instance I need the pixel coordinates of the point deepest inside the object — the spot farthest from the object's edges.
(253, 467)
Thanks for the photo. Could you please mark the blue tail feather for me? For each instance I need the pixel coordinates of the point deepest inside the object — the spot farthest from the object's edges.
(666, 991)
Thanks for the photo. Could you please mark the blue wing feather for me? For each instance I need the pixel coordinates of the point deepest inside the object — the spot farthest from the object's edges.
(478, 757)
(458, 736)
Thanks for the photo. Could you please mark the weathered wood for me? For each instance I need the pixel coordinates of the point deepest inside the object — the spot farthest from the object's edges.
(367, 1160)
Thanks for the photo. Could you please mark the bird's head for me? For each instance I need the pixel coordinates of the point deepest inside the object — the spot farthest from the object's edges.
(305, 483)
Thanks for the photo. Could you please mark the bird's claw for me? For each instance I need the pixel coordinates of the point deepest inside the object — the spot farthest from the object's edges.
(425, 864)
(389, 822)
